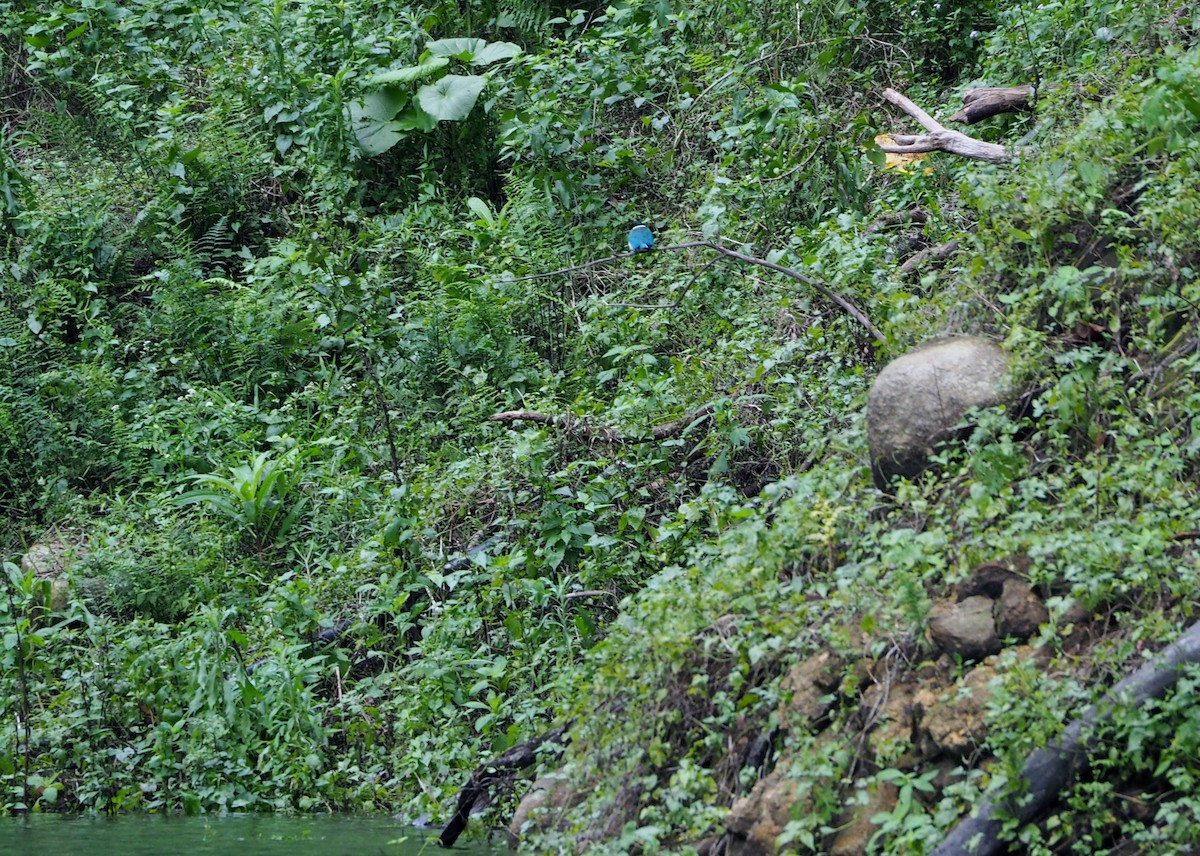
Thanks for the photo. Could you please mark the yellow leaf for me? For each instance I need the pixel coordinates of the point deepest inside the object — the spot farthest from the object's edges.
(899, 162)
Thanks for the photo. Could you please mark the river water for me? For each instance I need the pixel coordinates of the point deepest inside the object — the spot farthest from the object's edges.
(232, 835)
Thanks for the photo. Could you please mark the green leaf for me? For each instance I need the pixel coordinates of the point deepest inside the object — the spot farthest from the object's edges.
(415, 119)
(494, 52)
(381, 106)
(451, 98)
(371, 120)
(461, 49)
(481, 210)
(411, 73)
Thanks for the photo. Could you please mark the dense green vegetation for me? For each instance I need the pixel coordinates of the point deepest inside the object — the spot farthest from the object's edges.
(263, 287)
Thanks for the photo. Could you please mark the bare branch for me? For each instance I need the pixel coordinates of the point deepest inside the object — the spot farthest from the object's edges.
(838, 300)
(939, 253)
(939, 138)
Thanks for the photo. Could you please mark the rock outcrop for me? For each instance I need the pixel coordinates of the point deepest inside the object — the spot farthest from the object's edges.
(50, 559)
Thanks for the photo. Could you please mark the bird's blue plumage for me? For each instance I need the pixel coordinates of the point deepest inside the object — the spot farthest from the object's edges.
(641, 238)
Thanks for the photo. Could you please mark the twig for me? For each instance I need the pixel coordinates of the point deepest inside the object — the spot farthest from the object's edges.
(385, 411)
(584, 266)
(678, 300)
(576, 595)
(848, 307)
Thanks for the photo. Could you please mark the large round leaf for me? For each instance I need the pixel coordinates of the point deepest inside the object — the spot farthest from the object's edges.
(381, 105)
(410, 73)
(495, 51)
(371, 120)
(460, 49)
(415, 119)
(452, 97)
(375, 138)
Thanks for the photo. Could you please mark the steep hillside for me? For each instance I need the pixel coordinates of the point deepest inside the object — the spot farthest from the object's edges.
(358, 450)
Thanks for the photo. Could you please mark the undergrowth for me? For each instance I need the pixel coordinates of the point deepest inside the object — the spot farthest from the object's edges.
(254, 358)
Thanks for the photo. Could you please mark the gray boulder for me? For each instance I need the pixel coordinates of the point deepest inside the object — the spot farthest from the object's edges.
(919, 398)
(967, 628)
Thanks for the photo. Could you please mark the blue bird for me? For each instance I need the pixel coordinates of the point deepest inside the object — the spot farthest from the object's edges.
(641, 238)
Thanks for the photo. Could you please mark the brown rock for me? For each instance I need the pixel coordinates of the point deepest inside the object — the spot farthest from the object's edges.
(892, 714)
(756, 820)
(966, 628)
(954, 720)
(987, 579)
(855, 827)
(1019, 612)
(548, 797)
(806, 689)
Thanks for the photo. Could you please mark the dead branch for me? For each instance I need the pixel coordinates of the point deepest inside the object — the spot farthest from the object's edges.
(500, 773)
(897, 218)
(983, 103)
(939, 138)
(576, 595)
(938, 254)
(579, 428)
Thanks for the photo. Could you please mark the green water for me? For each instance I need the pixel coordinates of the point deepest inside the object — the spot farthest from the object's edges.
(233, 835)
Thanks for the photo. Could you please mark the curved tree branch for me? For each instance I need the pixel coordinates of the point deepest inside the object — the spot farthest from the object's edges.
(833, 297)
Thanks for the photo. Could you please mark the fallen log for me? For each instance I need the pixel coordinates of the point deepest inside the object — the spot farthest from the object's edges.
(983, 103)
(501, 771)
(939, 138)
(1048, 771)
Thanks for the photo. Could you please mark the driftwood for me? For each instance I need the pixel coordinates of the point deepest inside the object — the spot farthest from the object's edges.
(1048, 771)
(980, 104)
(498, 772)
(939, 138)
(572, 425)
